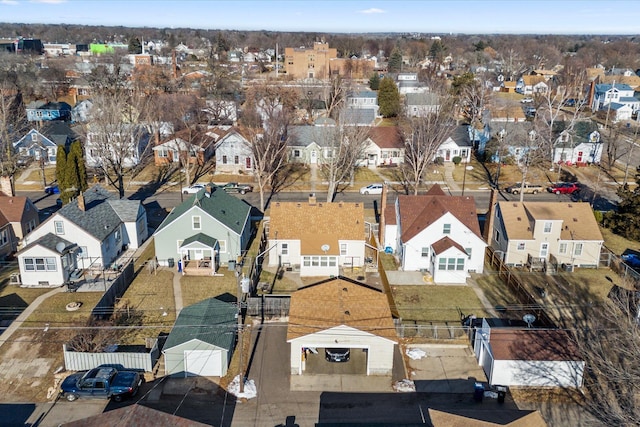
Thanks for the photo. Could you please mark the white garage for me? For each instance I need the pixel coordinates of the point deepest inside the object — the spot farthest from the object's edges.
(202, 340)
(341, 312)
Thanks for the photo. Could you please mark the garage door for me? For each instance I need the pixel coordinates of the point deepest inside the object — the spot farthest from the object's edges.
(206, 363)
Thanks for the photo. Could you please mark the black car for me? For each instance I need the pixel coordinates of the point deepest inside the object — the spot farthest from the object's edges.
(337, 354)
(234, 187)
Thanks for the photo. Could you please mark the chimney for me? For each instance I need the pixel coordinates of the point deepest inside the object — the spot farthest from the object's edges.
(383, 205)
(81, 202)
(488, 222)
(312, 199)
(6, 186)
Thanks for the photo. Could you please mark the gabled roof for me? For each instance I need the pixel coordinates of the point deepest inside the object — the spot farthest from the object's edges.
(605, 87)
(467, 418)
(632, 81)
(102, 214)
(387, 136)
(419, 212)
(212, 321)
(225, 208)
(424, 98)
(302, 136)
(532, 344)
(358, 116)
(460, 135)
(136, 414)
(506, 112)
(445, 243)
(186, 138)
(340, 301)
(533, 80)
(578, 222)
(200, 238)
(13, 207)
(50, 241)
(317, 222)
(3, 220)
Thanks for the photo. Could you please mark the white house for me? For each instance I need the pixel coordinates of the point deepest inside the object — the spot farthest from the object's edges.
(339, 312)
(90, 231)
(232, 150)
(529, 85)
(606, 95)
(385, 147)
(580, 145)
(438, 234)
(421, 104)
(316, 238)
(456, 145)
(528, 357)
(122, 143)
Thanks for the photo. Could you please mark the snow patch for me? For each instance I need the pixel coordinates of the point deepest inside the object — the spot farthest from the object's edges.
(415, 353)
(250, 390)
(406, 386)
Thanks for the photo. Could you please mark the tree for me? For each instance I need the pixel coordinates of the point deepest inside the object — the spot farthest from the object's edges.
(472, 96)
(334, 96)
(61, 176)
(389, 98)
(135, 46)
(374, 81)
(422, 137)
(625, 221)
(395, 61)
(437, 51)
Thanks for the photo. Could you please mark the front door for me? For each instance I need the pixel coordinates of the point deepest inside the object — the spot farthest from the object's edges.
(447, 155)
(579, 156)
(247, 162)
(544, 250)
(314, 157)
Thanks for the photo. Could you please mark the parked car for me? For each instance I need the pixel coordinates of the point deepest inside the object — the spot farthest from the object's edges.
(337, 354)
(528, 188)
(530, 112)
(102, 382)
(632, 260)
(234, 187)
(526, 100)
(52, 189)
(192, 189)
(563, 188)
(371, 189)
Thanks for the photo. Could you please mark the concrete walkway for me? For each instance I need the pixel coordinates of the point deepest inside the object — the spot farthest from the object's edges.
(177, 291)
(448, 176)
(488, 307)
(26, 313)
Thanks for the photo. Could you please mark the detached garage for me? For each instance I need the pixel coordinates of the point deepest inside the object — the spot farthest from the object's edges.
(339, 314)
(202, 339)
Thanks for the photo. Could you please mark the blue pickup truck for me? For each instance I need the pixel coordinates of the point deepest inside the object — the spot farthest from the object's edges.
(101, 383)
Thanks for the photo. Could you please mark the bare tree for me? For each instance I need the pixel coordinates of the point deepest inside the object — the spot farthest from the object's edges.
(422, 137)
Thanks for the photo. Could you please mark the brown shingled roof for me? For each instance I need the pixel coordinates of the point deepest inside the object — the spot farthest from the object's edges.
(13, 207)
(532, 344)
(340, 301)
(419, 212)
(445, 243)
(387, 136)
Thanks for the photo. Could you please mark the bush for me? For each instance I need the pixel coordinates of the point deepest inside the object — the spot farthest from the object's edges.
(456, 160)
(439, 161)
(599, 216)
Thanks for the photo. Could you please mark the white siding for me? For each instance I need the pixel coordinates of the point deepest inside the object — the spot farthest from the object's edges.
(33, 278)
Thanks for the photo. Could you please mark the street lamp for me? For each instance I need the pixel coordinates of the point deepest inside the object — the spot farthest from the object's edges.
(464, 177)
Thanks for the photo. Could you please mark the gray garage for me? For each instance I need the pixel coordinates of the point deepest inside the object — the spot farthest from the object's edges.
(202, 339)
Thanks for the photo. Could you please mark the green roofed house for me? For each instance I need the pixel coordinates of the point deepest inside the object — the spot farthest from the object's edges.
(202, 340)
(209, 229)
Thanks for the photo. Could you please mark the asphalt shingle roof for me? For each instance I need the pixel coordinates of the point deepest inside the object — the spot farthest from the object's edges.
(211, 321)
(50, 241)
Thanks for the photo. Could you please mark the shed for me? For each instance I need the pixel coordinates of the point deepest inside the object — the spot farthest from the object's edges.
(202, 339)
(342, 313)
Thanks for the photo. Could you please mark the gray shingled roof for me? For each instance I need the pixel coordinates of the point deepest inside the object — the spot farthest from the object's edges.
(103, 212)
(211, 321)
(358, 116)
(229, 210)
(50, 241)
(200, 238)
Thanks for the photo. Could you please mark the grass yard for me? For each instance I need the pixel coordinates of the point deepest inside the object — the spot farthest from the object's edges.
(436, 304)
(618, 244)
(53, 311)
(198, 288)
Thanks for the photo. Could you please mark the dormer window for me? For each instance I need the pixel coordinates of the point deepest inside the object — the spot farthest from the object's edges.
(547, 227)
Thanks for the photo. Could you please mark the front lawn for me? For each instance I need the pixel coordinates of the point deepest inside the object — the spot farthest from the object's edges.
(53, 310)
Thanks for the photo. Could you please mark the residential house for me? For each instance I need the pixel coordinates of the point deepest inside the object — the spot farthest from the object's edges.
(530, 85)
(313, 145)
(209, 229)
(408, 83)
(385, 147)
(22, 215)
(364, 100)
(316, 238)
(358, 117)
(8, 241)
(185, 146)
(309, 63)
(556, 232)
(436, 233)
(457, 144)
(38, 111)
(122, 143)
(528, 357)
(81, 111)
(509, 113)
(508, 86)
(421, 104)
(202, 339)
(232, 148)
(339, 312)
(88, 232)
(611, 97)
(42, 144)
(578, 146)
(515, 140)
(547, 74)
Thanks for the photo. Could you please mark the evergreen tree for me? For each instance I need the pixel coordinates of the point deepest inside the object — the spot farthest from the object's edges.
(389, 98)
(374, 82)
(134, 45)
(437, 51)
(626, 220)
(395, 61)
(76, 149)
(61, 174)
(71, 178)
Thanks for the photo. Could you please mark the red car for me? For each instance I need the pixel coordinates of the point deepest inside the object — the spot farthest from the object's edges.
(563, 188)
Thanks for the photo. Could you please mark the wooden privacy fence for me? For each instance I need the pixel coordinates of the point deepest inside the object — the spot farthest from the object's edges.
(269, 306)
(134, 360)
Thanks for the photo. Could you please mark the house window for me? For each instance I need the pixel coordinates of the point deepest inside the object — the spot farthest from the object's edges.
(442, 263)
(284, 249)
(164, 153)
(4, 237)
(59, 227)
(577, 250)
(463, 154)
(222, 244)
(34, 137)
(521, 246)
(446, 229)
(195, 222)
(468, 251)
(497, 236)
(547, 227)
(296, 153)
(247, 162)
(425, 252)
(117, 236)
(563, 248)
(224, 160)
(343, 249)
(460, 264)
(451, 263)
(236, 160)
(40, 264)
(83, 252)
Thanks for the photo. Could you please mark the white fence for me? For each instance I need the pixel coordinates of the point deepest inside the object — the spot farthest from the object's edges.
(80, 361)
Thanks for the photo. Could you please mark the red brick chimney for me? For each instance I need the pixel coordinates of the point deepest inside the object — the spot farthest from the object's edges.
(81, 202)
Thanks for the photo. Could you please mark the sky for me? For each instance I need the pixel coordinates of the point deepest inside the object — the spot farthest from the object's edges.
(361, 16)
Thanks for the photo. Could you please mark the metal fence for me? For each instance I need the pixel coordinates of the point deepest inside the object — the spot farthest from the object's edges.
(617, 264)
(431, 331)
(117, 288)
(269, 306)
(81, 361)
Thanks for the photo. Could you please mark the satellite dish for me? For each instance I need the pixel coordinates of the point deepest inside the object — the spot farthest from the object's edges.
(325, 248)
(529, 319)
(60, 247)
